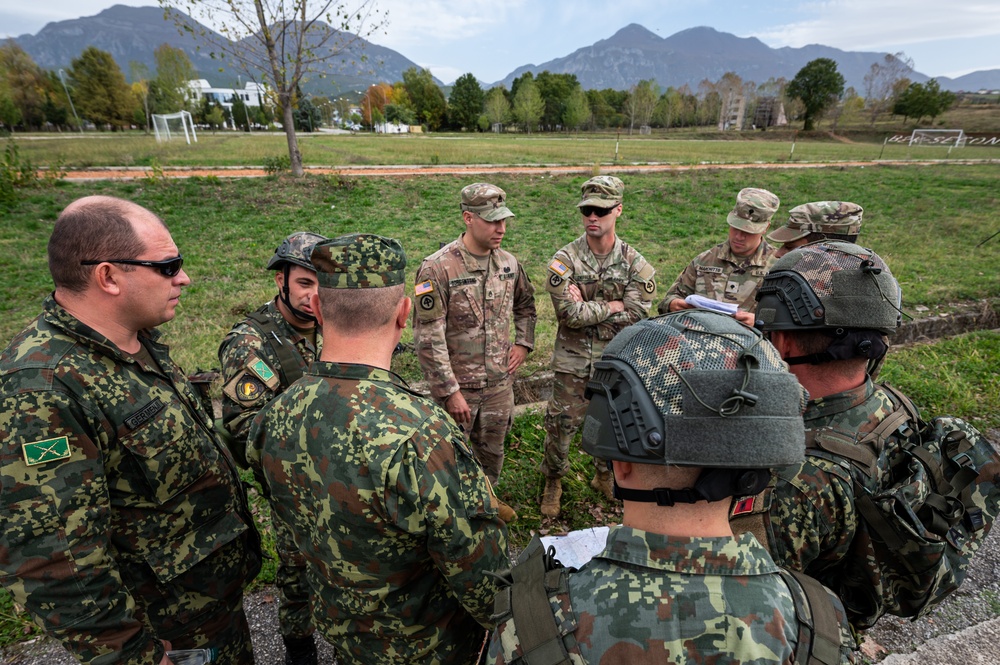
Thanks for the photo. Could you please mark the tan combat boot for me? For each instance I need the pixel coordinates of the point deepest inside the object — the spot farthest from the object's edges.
(505, 512)
(551, 496)
(603, 482)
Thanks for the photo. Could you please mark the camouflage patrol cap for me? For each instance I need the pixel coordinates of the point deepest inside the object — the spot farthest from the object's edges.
(694, 388)
(753, 211)
(839, 217)
(829, 285)
(295, 249)
(486, 200)
(359, 261)
(603, 191)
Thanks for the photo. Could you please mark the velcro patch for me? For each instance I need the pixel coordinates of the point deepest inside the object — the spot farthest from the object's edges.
(558, 267)
(710, 269)
(462, 281)
(144, 414)
(263, 371)
(424, 287)
(744, 505)
(49, 450)
(248, 389)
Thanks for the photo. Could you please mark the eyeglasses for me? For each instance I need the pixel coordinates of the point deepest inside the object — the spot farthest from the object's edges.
(587, 211)
(166, 267)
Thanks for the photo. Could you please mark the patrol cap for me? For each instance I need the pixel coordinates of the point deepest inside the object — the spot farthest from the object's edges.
(694, 388)
(839, 217)
(603, 191)
(486, 200)
(753, 211)
(359, 261)
(295, 249)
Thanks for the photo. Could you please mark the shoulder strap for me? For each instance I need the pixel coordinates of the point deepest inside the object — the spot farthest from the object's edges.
(819, 627)
(534, 622)
(289, 364)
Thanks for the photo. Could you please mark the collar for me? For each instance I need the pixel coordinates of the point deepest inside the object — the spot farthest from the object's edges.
(757, 259)
(287, 329)
(71, 326)
(588, 257)
(355, 372)
(823, 407)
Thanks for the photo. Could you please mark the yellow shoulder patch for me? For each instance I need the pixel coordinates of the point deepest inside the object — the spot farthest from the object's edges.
(558, 267)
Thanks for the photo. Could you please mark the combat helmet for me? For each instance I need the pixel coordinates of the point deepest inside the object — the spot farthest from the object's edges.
(695, 388)
(294, 250)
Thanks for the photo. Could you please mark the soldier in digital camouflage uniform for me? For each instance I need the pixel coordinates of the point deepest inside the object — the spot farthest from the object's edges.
(598, 284)
(691, 408)
(384, 498)
(814, 524)
(819, 220)
(467, 293)
(731, 271)
(260, 357)
(123, 521)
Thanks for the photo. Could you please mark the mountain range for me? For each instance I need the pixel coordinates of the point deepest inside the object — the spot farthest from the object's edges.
(130, 34)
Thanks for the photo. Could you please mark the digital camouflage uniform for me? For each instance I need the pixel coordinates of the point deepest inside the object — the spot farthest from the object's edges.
(383, 496)
(585, 328)
(252, 374)
(671, 599)
(461, 329)
(122, 514)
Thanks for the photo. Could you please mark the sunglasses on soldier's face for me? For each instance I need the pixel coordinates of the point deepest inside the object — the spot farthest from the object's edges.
(166, 267)
(587, 211)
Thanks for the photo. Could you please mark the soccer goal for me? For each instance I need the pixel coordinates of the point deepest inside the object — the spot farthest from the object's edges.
(953, 138)
(168, 125)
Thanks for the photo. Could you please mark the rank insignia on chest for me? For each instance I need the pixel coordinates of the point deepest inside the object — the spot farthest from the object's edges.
(424, 287)
(260, 368)
(558, 267)
(49, 450)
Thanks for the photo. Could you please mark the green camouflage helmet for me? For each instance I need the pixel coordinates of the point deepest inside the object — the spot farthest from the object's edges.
(830, 285)
(359, 261)
(603, 191)
(826, 217)
(295, 249)
(694, 388)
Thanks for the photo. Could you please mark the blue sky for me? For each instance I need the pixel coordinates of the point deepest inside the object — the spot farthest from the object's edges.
(490, 38)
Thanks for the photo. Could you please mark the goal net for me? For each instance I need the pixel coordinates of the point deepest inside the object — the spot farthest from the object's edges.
(952, 138)
(174, 125)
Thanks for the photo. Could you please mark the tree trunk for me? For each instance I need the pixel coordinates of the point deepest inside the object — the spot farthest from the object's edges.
(294, 156)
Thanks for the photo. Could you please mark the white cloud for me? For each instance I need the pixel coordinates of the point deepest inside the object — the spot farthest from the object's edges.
(414, 23)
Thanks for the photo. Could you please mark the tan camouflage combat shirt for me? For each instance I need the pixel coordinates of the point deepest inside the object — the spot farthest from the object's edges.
(719, 274)
(585, 328)
(463, 315)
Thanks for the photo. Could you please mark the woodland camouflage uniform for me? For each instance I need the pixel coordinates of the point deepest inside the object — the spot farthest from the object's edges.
(123, 518)
(384, 498)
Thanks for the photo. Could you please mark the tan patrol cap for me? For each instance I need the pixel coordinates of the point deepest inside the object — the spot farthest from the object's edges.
(486, 200)
(839, 217)
(753, 211)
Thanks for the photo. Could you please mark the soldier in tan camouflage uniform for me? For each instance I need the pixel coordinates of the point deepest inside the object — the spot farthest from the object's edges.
(124, 524)
(819, 220)
(376, 483)
(599, 284)
(731, 271)
(467, 293)
(261, 356)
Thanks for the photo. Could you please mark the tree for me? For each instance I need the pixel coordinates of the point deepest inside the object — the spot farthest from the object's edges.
(283, 40)
(428, 100)
(528, 106)
(640, 103)
(26, 83)
(173, 71)
(307, 116)
(465, 103)
(881, 80)
(923, 99)
(373, 103)
(99, 89)
(817, 85)
(497, 107)
(139, 73)
(555, 90)
(577, 109)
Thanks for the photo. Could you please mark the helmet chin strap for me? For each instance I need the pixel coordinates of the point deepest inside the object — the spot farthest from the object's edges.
(712, 485)
(283, 294)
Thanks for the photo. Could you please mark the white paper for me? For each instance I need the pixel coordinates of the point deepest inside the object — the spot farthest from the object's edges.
(578, 547)
(702, 302)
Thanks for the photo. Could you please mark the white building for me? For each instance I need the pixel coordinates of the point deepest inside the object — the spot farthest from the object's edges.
(252, 93)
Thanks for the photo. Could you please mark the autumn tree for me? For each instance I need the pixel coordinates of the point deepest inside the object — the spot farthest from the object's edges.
(465, 103)
(282, 41)
(25, 83)
(817, 85)
(173, 71)
(99, 89)
(881, 80)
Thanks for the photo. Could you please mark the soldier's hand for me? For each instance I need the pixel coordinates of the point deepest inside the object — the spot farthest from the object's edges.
(458, 408)
(746, 318)
(573, 291)
(517, 355)
(677, 304)
(166, 647)
(617, 306)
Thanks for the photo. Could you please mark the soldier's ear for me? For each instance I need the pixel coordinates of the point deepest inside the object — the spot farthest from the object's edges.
(108, 278)
(317, 310)
(279, 279)
(403, 312)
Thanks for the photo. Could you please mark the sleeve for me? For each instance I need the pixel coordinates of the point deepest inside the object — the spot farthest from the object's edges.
(525, 315)
(430, 324)
(682, 287)
(244, 391)
(55, 555)
(639, 293)
(571, 313)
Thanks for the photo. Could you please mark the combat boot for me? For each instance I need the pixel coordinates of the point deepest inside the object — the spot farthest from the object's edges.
(300, 650)
(505, 512)
(551, 496)
(604, 482)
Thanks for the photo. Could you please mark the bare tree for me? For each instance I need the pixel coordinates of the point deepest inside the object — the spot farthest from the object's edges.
(282, 41)
(881, 82)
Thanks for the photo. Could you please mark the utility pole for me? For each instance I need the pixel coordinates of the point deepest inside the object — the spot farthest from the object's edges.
(62, 77)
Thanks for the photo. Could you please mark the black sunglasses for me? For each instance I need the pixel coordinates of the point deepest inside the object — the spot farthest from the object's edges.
(587, 211)
(166, 267)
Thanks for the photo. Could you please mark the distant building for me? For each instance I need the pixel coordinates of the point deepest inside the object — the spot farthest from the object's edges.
(252, 93)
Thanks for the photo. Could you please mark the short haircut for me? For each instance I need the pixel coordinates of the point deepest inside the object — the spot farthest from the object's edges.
(96, 228)
(817, 341)
(356, 311)
(671, 476)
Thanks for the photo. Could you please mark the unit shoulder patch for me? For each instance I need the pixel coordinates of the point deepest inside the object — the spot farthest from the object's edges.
(48, 450)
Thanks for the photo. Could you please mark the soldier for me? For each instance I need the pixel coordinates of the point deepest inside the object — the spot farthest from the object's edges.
(820, 220)
(731, 271)
(467, 293)
(598, 284)
(125, 527)
(260, 357)
(381, 493)
(691, 408)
